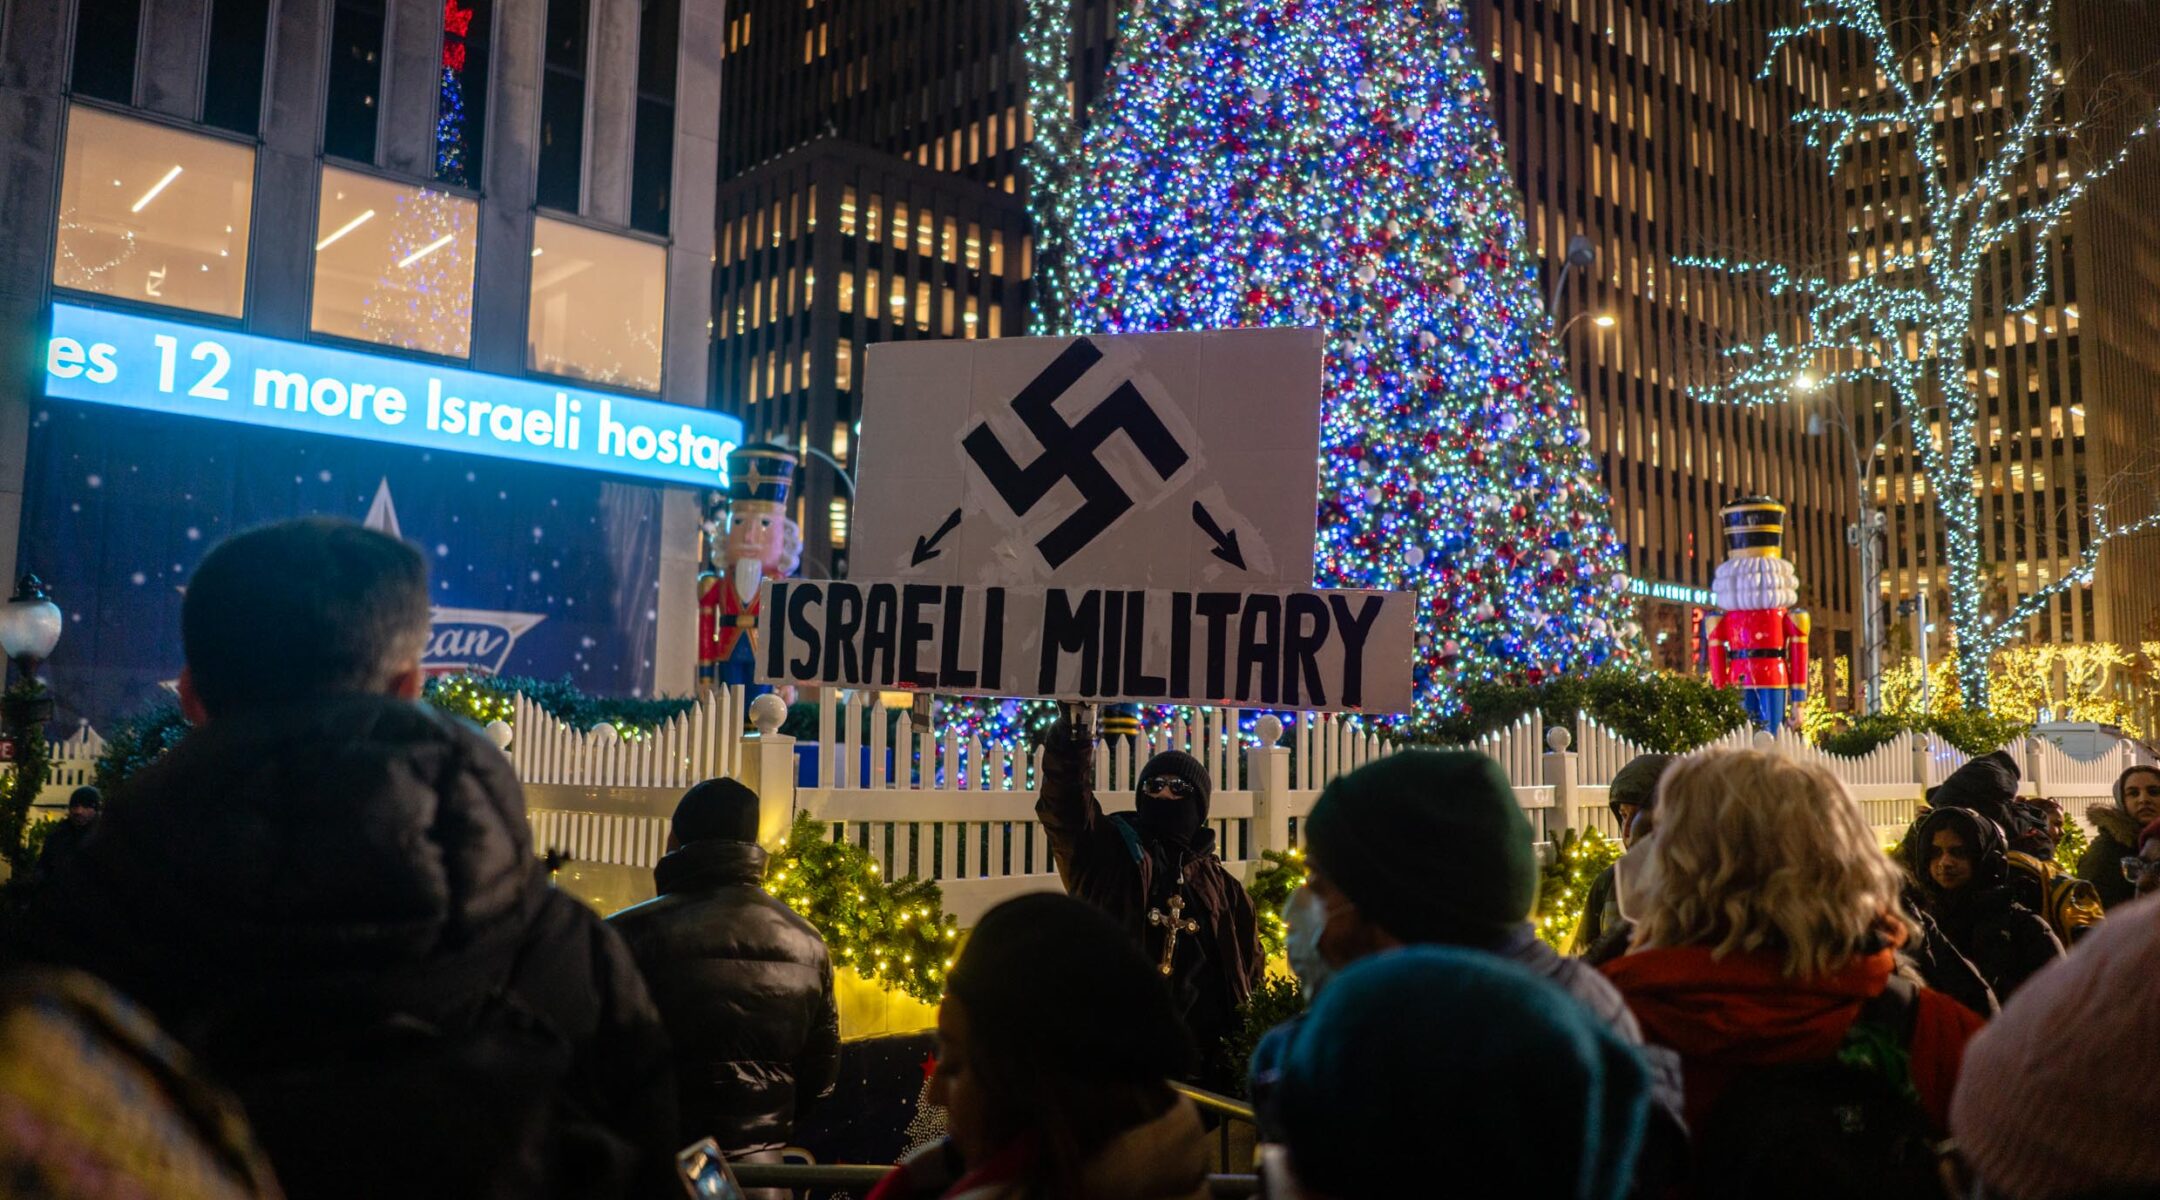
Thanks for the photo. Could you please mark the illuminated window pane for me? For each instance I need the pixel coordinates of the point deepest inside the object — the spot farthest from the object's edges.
(393, 264)
(150, 213)
(598, 305)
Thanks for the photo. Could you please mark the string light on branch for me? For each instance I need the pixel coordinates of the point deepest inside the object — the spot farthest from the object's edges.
(1910, 323)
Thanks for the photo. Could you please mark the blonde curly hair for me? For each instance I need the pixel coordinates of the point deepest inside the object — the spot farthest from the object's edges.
(1756, 851)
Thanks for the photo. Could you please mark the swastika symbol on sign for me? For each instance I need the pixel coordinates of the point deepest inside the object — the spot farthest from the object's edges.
(1069, 452)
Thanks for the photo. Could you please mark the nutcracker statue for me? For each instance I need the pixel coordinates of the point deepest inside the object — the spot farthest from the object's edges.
(1759, 642)
(760, 542)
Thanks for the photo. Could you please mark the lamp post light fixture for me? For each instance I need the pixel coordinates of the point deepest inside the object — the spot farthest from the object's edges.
(1581, 252)
(30, 625)
(1603, 320)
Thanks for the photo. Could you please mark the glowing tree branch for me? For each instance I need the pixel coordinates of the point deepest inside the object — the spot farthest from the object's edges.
(1910, 322)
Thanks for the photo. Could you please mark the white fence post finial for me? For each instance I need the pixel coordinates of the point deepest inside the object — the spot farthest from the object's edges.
(1560, 776)
(769, 769)
(1267, 776)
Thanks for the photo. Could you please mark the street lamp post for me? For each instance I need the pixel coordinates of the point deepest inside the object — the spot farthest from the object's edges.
(1581, 252)
(30, 625)
(1865, 534)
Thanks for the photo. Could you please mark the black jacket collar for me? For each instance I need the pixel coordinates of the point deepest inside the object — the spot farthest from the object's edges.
(712, 863)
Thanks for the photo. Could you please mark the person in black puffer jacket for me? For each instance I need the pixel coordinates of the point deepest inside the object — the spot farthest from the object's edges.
(744, 984)
(328, 894)
(1959, 861)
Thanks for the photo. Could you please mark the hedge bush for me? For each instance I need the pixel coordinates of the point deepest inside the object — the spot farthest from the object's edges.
(1663, 711)
(1974, 733)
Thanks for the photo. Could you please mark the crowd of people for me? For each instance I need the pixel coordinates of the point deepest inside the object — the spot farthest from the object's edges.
(310, 952)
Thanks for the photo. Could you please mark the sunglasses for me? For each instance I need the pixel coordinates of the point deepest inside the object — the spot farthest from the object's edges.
(1170, 784)
(2135, 868)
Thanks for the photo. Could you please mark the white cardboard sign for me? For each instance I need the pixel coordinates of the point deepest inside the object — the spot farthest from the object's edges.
(1151, 461)
(1343, 651)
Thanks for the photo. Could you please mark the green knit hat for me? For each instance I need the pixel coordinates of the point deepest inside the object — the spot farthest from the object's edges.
(1429, 844)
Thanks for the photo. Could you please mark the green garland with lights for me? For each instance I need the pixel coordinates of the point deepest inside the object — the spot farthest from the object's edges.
(1277, 877)
(2071, 846)
(484, 698)
(895, 934)
(1578, 859)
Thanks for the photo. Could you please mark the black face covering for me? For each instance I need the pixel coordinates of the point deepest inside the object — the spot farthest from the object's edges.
(1172, 818)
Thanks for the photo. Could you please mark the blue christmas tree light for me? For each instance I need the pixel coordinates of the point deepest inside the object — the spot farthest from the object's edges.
(1333, 164)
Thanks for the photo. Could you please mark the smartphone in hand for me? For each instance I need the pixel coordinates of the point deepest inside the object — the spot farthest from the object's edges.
(705, 1172)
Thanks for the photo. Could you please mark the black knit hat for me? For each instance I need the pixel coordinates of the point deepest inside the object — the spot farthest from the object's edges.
(1637, 782)
(717, 809)
(1052, 987)
(1179, 765)
(86, 797)
(1986, 785)
(1429, 844)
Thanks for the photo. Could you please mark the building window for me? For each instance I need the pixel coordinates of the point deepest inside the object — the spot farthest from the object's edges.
(393, 264)
(652, 170)
(352, 106)
(598, 304)
(106, 34)
(461, 105)
(232, 94)
(562, 107)
(844, 365)
(154, 214)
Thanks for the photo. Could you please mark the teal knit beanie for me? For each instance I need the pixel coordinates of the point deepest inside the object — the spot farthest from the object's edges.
(1417, 1058)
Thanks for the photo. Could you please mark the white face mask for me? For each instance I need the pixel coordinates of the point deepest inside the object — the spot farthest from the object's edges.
(1307, 917)
(1634, 878)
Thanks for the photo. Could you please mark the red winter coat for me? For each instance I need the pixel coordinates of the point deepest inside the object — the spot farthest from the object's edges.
(1733, 1014)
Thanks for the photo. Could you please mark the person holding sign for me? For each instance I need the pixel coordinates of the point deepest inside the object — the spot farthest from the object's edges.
(1155, 872)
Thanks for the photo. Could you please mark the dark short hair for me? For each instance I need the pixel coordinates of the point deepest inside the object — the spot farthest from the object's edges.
(300, 610)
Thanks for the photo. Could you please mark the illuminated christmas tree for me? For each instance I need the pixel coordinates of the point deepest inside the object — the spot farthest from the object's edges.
(423, 301)
(1333, 164)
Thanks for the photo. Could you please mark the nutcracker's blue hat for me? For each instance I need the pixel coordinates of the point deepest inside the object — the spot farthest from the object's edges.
(761, 472)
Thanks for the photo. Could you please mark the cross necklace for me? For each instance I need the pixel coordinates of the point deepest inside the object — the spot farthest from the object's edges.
(1172, 923)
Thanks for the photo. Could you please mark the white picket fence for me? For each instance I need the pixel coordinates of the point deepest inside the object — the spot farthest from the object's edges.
(929, 803)
(703, 742)
(74, 765)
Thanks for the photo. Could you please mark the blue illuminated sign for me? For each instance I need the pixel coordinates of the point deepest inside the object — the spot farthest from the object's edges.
(131, 361)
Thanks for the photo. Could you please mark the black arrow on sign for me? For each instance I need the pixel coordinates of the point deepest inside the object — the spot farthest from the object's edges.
(1226, 547)
(925, 546)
